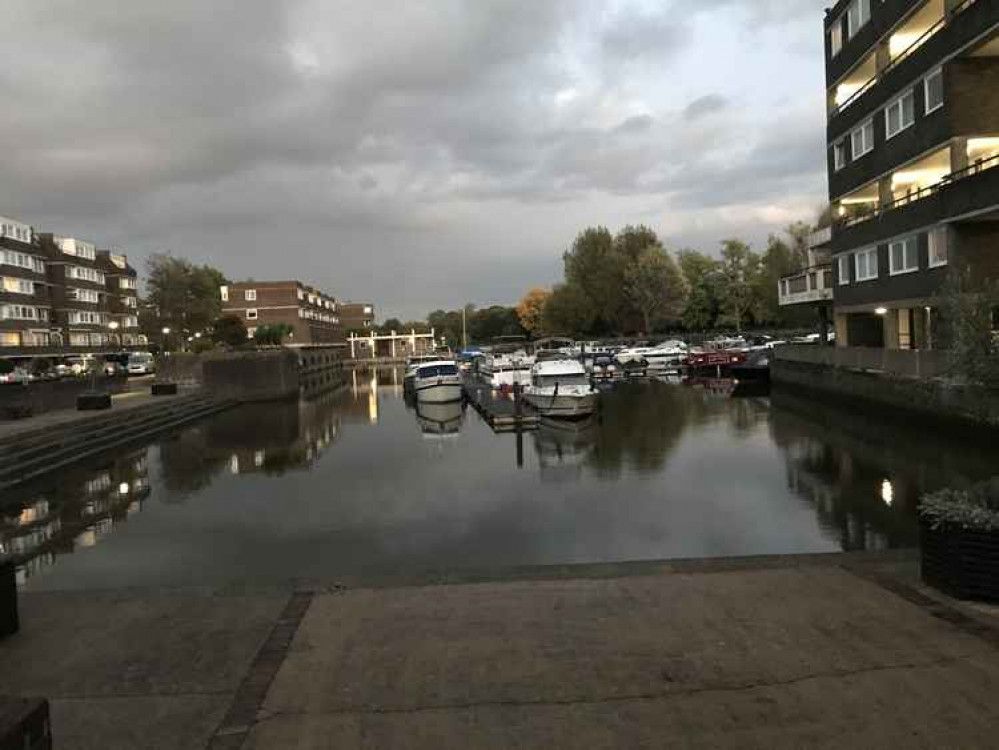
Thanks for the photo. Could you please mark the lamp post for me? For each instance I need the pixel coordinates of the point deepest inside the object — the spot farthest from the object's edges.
(113, 325)
(166, 333)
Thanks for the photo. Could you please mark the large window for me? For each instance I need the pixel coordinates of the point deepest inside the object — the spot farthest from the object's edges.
(900, 114)
(839, 155)
(251, 314)
(903, 256)
(17, 286)
(836, 37)
(857, 16)
(933, 87)
(22, 260)
(938, 247)
(862, 139)
(843, 269)
(22, 312)
(866, 264)
(85, 274)
(84, 295)
(86, 318)
(250, 295)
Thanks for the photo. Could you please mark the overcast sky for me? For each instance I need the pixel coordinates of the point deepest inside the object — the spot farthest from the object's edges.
(416, 153)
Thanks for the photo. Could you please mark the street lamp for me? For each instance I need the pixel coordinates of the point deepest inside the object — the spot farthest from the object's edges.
(165, 332)
(113, 325)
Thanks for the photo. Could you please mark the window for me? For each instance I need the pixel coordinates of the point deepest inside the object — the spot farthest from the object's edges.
(933, 87)
(857, 16)
(862, 139)
(130, 321)
(938, 247)
(900, 114)
(83, 295)
(843, 269)
(21, 312)
(21, 260)
(836, 37)
(251, 314)
(129, 301)
(84, 274)
(839, 155)
(251, 332)
(126, 283)
(903, 256)
(866, 265)
(250, 295)
(224, 293)
(17, 286)
(86, 318)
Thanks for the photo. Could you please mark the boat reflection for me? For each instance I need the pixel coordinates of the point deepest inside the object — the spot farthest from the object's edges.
(41, 522)
(564, 448)
(443, 420)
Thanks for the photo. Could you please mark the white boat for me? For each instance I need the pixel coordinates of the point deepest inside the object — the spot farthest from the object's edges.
(437, 382)
(669, 355)
(412, 364)
(507, 370)
(632, 355)
(561, 388)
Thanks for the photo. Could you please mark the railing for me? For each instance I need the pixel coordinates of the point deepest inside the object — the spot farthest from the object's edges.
(978, 167)
(903, 55)
(913, 363)
(811, 285)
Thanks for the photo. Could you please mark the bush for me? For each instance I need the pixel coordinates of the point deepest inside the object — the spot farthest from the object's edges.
(976, 508)
(272, 335)
(229, 330)
(6, 367)
(200, 346)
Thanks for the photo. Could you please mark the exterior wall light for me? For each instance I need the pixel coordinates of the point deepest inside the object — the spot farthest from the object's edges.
(881, 311)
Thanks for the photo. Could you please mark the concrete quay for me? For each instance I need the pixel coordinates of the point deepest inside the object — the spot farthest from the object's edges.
(824, 651)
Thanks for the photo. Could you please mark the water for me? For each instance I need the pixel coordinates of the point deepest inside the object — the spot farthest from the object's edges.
(358, 484)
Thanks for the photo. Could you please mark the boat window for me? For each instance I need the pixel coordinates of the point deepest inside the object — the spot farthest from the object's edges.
(549, 381)
(437, 371)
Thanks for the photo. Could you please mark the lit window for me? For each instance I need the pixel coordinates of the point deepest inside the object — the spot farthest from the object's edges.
(862, 139)
(866, 265)
(933, 88)
(836, 37)
(250, 295)
(900, 114)
(938, 247)
(903, 256)
(224, 292)
(251, 314)
(839, 155)
(843, 269)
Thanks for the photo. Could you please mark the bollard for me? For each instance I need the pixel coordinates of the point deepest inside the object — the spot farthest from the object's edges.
(164, 388)
(517, 408)
(9, 622)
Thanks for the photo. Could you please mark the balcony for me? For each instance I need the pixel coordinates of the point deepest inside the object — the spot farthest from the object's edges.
(811, 286)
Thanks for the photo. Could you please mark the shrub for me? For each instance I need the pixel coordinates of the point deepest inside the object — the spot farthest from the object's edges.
(6, 367)
(976, 508)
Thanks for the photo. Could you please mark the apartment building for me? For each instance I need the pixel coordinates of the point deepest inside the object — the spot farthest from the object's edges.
(357, 316)
(25, 305)
(78, 290)
(312, 314)
(122, 288)
(913, 136)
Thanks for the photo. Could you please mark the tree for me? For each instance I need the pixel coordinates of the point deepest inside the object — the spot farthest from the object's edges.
(272, 335)
(568, 311)
(654, 284)
(531, 310)
(968, 314)
(594, 267)
(740, 272)
(229, 330)
(490, 323)
(185, 296)
(703, 280)
(392, 324)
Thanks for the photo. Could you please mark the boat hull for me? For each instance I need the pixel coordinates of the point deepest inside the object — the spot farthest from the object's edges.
(438, 393)
(563, 407)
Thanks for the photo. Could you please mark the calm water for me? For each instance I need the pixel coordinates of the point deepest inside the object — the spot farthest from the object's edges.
(358, 483)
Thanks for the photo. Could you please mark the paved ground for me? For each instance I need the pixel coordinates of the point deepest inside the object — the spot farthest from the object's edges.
(799, 652)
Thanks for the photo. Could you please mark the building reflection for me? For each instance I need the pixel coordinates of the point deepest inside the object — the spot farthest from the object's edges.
(863, 474)
(43, 522)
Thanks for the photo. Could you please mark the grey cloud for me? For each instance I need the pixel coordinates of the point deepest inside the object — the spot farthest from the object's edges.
(706, 105)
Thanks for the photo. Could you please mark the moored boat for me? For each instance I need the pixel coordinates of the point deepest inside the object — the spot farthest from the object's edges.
(438, 382)
(561, 389)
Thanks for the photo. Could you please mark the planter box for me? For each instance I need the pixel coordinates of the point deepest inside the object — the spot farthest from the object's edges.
(93, 401)
(9, 622)
(960, 562)
(24, 724)
(164, 389)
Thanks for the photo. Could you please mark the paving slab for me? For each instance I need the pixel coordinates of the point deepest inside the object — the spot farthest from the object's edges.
(802, 657)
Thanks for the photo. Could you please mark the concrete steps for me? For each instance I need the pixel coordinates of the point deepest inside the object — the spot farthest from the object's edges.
(31, 454)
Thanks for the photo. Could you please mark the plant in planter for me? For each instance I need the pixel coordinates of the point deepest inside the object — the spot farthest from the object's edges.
(960, 541)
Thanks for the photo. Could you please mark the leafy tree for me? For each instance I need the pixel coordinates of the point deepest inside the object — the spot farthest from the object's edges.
(702, 275)
(229, 330)
(595, 268)
(490, 323)
(654, 284)
(392, 324)
(531, 310)
(740, 271)
(447, 324)
(968, 314)
(568, 311)
(185, 297)
(272, 335)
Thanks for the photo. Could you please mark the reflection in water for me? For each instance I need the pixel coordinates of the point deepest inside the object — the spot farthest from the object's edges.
(344, 484)
(43, 523)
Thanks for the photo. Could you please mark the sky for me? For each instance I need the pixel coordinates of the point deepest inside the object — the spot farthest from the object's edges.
(419, 154)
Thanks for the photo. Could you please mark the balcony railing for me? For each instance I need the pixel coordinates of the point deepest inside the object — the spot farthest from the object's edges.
(924, 192)
(903, 55)
(808, 287)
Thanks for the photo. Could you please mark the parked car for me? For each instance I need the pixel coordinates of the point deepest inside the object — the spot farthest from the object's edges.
(141, 363)
(17, 375)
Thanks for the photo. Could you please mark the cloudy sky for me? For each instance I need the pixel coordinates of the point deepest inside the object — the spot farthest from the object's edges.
(418, 153)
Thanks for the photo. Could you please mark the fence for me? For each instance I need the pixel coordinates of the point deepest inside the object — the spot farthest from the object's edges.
(905, 362)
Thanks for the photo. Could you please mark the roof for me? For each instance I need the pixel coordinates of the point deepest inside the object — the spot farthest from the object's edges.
(559, 367)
